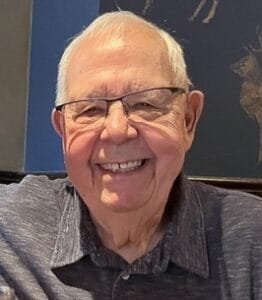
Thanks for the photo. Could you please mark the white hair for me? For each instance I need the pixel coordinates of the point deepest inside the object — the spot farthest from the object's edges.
(117, 21)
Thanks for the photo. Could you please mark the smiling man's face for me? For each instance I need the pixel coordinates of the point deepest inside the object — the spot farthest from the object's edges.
(123, 166)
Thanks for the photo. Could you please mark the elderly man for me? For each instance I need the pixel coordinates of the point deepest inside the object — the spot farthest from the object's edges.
(127, 224)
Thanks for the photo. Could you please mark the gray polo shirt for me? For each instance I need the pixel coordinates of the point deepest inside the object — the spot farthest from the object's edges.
(212, 247)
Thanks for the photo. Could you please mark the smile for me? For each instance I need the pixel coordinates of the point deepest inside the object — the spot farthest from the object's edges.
(123, 167)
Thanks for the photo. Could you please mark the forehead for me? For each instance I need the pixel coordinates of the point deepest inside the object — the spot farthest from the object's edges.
(137, 58)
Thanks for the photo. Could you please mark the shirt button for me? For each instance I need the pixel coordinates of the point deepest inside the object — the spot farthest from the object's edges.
(125, 276)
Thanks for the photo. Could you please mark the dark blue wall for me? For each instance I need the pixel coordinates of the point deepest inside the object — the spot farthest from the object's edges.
(53, 25)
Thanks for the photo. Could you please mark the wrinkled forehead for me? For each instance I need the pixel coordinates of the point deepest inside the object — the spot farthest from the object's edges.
(116, 61)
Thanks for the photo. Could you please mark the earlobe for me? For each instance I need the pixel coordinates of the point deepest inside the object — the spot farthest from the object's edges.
(57, 123)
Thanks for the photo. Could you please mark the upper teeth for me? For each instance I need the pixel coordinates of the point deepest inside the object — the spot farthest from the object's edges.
(122, 167)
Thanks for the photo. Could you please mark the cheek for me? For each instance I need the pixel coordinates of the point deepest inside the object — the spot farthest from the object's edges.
(166, 141)
(166, 136)
(78, 146)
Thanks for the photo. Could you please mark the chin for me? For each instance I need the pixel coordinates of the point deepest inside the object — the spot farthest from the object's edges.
(118, 204)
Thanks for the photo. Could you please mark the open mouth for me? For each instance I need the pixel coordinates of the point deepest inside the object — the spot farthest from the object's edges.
(124, 166)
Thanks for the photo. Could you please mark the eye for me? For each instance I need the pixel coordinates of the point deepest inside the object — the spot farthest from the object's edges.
(92, 111)
(89, 109)
(143, 105)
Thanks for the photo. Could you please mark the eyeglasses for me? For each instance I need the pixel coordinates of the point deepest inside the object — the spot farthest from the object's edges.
(140, 106)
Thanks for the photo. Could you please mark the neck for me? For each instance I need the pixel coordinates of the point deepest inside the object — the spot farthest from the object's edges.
(130, 234)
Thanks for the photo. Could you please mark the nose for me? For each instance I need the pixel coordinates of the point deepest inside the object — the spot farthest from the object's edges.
(117, 127)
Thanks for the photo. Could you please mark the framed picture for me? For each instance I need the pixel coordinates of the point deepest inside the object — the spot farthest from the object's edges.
(222, 41)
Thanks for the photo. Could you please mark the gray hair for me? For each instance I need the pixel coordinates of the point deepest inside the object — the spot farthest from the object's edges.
(117, 20)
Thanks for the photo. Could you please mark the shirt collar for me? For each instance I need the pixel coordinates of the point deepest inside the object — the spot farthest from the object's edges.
(77, 236)
(189, 248)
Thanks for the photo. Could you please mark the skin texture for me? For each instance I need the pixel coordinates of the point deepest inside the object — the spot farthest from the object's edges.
(126, 208)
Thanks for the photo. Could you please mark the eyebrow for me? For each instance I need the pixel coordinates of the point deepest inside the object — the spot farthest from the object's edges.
(102, 91)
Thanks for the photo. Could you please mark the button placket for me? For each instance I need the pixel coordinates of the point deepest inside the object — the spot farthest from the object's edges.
(119, 285)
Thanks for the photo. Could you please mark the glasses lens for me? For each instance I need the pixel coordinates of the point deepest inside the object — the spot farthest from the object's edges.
(89, 112)
(149, 105)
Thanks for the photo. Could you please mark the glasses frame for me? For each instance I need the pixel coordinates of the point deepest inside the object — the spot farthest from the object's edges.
(173, 90)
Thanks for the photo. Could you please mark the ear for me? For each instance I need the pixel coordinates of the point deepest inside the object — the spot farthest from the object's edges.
(57, 122)
(193, 110)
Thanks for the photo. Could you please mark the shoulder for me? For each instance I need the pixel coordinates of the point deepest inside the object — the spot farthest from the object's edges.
(35, 200)
(235, 213)
(30, 214)
(32, 189)
(227, 198)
